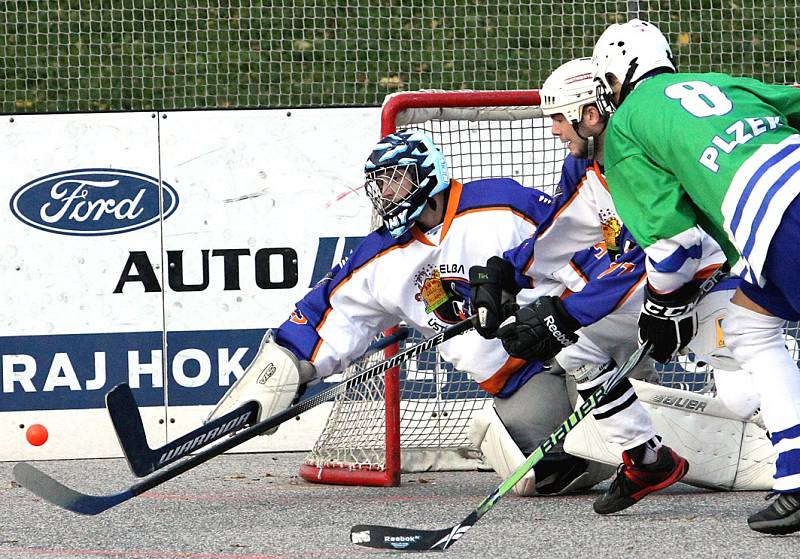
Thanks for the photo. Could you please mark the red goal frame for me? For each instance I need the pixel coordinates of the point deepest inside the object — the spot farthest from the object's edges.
(393, 109)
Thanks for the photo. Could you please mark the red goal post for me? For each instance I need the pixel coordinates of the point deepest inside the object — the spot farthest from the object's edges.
(377, 431)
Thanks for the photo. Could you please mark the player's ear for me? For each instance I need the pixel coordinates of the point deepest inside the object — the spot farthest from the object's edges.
(592, 115)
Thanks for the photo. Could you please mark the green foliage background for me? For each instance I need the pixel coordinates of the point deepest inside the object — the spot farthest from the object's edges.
(88, 55)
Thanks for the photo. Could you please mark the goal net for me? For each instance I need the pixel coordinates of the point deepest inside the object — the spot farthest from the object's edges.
(416, 419)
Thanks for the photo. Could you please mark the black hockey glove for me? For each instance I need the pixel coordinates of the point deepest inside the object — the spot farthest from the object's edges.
(492, 294)
(668, 320)
(537, 332)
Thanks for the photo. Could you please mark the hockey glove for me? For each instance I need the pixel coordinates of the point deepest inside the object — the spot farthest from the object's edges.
(668, 320)
(493, 291)
(539, 331)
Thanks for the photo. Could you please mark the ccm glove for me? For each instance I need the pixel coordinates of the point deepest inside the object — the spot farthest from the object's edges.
(492, 292)
(537, 332)
(668, 320)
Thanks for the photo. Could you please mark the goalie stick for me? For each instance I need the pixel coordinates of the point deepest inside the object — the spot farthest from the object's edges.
(62, 496)
(143, 460)
(411, 539)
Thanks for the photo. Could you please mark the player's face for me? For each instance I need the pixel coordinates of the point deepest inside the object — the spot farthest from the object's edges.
(396, 184)
(563, 130)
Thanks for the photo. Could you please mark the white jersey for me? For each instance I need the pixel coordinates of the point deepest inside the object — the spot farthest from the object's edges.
(421, 279)
(585, 216)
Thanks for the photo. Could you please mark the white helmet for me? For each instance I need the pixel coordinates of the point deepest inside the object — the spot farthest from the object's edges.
(628, 51)
(568, 89)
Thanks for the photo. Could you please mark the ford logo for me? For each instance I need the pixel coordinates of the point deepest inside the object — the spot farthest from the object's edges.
(93, 202)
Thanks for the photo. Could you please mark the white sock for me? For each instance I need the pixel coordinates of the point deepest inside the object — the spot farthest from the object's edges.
(622, 418)
(651, 451)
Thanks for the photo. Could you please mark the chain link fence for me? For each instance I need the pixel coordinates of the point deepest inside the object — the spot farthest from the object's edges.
(113, 55)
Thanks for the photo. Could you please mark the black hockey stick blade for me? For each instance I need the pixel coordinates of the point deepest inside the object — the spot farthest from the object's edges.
(407, 539)
(54, 492)
(60, 495)
(143, 460)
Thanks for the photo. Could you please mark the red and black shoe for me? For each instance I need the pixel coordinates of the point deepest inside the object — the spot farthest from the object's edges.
(635, 481)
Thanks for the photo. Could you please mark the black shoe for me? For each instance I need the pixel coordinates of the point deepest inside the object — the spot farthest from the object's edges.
(782, 516)
(635, 481)
(556, 480)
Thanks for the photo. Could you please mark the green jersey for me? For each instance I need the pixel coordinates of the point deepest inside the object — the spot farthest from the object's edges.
(686, 152)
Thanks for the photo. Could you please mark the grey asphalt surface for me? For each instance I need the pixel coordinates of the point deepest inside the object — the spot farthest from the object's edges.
(256, 507)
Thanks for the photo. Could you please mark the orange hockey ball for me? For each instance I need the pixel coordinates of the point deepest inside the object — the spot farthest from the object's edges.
(36, 434)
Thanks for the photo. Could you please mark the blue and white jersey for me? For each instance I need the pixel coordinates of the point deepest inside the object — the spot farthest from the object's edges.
(421, 278)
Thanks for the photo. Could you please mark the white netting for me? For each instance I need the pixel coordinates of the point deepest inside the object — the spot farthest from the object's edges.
(435, 408)
(78, 55)
(525, 150)
(436, 403)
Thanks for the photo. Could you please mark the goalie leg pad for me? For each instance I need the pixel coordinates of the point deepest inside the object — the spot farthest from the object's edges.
(724, 451)
(737, 391)
(487, 432)
(272, 380)
(735, 386)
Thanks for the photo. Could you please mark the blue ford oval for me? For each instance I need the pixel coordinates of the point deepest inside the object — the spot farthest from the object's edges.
(93, 202)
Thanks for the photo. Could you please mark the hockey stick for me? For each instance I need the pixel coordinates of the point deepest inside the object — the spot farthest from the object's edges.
(411, 539)
(58, 494)
(143, 460)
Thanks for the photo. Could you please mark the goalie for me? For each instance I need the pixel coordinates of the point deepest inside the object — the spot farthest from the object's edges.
(415, 269)
(592, 330)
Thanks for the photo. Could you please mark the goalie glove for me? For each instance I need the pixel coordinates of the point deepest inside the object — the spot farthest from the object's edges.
(668, 320)
(492, 293)
(537, 332)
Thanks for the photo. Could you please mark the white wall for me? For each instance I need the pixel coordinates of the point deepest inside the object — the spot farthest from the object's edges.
(97, 276)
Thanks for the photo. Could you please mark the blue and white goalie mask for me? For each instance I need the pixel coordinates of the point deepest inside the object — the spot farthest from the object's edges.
(403, 172)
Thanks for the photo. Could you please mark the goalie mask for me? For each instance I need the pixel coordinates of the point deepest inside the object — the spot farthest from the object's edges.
(630, 52)
(566, 91)
(403, 172)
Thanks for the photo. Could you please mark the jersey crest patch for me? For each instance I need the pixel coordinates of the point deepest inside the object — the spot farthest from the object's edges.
(446, 297)
(431, 290)
(611, 228)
